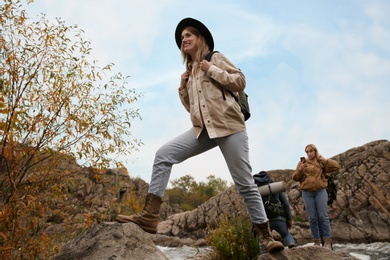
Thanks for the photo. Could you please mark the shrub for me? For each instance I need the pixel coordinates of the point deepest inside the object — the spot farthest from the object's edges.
(233, 239)
(298, 219)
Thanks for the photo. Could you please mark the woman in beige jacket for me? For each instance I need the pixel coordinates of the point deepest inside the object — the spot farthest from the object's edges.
(310, 172)
(216, 121)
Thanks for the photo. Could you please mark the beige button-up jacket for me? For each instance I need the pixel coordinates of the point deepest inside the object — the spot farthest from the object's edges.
(203, 99)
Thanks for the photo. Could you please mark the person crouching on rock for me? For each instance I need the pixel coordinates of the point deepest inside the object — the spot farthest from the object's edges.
(310, 172)
(277, 209)
(217, 120)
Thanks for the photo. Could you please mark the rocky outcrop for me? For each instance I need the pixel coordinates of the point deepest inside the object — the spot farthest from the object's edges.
(307, 253)
(111, 240)
(360, 213)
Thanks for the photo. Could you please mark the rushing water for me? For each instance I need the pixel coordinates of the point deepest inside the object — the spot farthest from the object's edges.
(374, 251)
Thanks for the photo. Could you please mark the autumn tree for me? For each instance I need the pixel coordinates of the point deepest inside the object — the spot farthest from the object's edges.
(55, 103)
(189, 194)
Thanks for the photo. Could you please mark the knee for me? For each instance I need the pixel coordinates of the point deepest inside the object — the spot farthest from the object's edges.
(162, 154)
(324, 217)
(313, 219)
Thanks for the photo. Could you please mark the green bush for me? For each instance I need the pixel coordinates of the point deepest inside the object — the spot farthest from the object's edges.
(298, 219)
(233, 239)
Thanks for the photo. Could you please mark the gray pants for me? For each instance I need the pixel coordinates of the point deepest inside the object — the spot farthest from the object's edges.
(236, 153)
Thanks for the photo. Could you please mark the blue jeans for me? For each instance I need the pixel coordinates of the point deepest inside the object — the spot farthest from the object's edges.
(316, 204)
(280, 226)
(234, 149)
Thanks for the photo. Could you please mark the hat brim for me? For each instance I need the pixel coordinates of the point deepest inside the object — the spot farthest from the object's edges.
(186, 22)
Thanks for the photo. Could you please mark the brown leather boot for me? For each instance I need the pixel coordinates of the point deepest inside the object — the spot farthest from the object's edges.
(328, 243)
(317, 242)
(148, 218)
(264, 233)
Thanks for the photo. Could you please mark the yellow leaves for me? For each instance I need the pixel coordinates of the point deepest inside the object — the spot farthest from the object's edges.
(3, 214)
(97, 177)
(2, 101)
(30, 202)
(88, 219)
(6, 248)
(44, 239)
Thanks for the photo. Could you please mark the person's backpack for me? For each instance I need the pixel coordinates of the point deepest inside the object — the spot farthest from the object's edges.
(242, 98)
(331, 189)
(272, 205)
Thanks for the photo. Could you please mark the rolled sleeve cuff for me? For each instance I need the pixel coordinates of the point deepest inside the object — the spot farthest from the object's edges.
(183, 93)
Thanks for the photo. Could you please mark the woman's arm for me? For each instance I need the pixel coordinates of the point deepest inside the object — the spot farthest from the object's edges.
(298, 173)
(330, 165)
(226, 74)
(183, 92)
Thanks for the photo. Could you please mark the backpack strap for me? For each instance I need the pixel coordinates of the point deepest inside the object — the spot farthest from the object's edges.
(208, 58)
(209, 55)
(270, 190)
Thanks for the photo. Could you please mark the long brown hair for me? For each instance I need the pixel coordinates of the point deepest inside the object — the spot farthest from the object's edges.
(313, 147)
(202, 50)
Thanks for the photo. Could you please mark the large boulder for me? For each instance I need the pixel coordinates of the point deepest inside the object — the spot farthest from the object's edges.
(111, 240)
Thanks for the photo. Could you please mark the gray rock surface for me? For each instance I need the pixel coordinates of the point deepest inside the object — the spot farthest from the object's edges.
(307, 253)
(111, 240)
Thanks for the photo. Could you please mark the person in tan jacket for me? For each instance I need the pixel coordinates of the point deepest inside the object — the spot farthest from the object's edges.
(216, 122)
(311, 172)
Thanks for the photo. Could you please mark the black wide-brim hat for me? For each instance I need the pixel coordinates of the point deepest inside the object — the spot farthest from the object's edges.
(186, 22)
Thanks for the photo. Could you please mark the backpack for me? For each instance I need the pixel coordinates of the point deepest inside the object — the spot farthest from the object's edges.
(272, 205)
(331, 189)
(242, 98)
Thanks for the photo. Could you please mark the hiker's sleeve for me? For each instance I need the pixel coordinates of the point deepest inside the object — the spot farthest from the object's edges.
(286, 205)
(298, 174)
(331, 165)
(226, 74)
(183, 94)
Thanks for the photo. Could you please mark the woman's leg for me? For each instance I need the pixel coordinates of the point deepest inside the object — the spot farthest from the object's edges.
(323, 217)
(236, 153)
(280, 226)
(176, 151)
(235, 150)
(311, 209)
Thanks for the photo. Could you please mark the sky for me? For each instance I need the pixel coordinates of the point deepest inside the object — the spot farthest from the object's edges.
(317, 72)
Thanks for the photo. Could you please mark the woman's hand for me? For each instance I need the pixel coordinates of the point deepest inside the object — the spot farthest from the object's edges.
(204, 65)
(321, 158)
(302, 165)
(289, 224)
(184, 79)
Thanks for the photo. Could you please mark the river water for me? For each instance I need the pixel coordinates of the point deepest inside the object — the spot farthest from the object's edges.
(374, 251)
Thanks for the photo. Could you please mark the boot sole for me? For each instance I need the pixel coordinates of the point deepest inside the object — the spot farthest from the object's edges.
(275, 249)
(125, 219)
